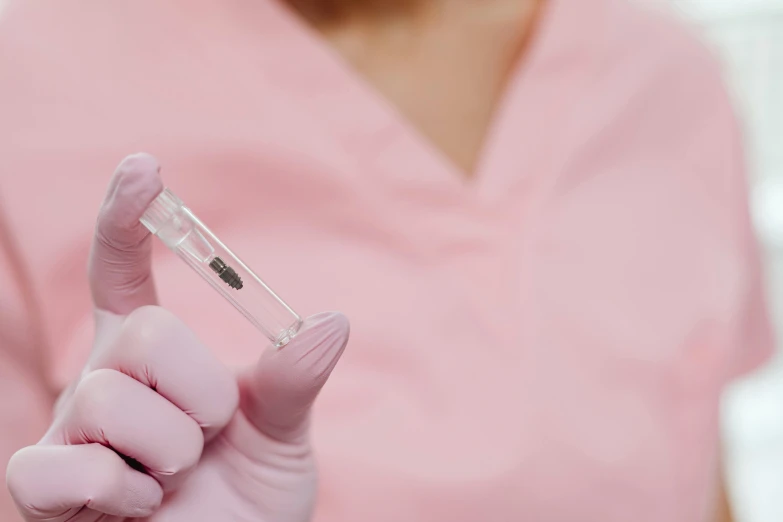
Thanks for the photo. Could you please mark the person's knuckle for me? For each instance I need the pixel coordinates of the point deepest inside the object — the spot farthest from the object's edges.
(193, 446)
(153, 337)
(186, 453)
(145, 329)
(96, 393)
(19, 478)
(145, 323)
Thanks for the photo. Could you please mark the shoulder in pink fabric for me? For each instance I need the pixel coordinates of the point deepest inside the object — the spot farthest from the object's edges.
(547, 343)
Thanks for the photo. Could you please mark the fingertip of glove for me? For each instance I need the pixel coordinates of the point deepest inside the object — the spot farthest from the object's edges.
(135, 183)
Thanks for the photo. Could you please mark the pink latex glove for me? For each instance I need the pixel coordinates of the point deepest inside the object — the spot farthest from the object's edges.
(210, 445)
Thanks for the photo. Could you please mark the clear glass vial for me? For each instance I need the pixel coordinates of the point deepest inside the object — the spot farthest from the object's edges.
(181, 231)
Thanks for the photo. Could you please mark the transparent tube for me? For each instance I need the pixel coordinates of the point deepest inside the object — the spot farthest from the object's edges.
(175, 224)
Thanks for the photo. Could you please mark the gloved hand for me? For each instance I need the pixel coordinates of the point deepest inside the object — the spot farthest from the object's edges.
(156, 426)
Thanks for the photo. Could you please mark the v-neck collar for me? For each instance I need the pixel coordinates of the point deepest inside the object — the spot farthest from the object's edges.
(374, 131)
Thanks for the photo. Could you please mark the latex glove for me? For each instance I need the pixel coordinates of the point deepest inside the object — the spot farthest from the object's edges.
(128, 439)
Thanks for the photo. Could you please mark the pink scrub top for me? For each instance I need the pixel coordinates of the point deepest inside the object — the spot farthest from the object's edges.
(546, 341)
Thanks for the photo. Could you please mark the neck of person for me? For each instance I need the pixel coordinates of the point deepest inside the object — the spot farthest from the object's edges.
(328, 15)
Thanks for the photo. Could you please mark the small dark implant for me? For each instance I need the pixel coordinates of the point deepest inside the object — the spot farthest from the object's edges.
(226, 273)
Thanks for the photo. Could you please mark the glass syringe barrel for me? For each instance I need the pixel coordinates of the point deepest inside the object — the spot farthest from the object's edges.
(181, 231)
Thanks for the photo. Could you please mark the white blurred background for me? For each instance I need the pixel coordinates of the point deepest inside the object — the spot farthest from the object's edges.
(749, 36)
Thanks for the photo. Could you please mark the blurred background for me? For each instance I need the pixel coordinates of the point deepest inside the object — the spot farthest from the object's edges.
(748, 34)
